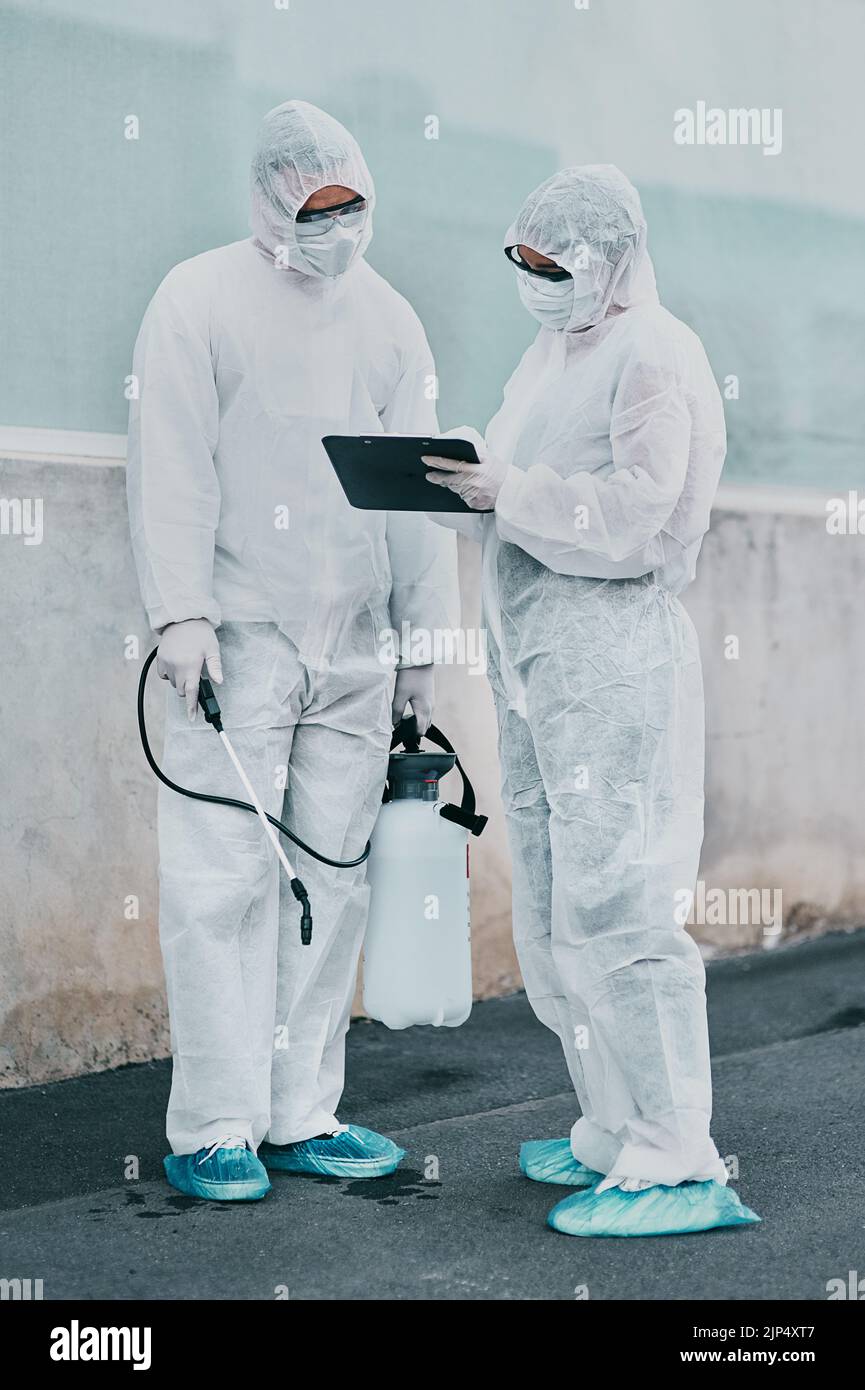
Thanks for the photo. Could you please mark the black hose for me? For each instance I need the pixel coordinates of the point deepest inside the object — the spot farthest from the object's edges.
(228, 800)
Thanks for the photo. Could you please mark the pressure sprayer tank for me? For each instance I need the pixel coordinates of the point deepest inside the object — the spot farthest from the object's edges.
(417, 953)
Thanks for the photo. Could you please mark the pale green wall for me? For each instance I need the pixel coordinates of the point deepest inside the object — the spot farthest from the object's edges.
(762, 256)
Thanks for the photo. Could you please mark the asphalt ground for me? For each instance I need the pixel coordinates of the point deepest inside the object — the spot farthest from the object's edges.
(458, 1221)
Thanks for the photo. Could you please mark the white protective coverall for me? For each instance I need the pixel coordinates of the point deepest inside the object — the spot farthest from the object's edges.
(614, 434)
(244, 361)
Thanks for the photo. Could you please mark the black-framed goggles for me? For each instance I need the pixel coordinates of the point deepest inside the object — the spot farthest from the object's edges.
(513, 255)
(354, 205)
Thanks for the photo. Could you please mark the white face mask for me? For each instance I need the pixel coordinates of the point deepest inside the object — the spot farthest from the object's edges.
(549, 301)
(332, 254)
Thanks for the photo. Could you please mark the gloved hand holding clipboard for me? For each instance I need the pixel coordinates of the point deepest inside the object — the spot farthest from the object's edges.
(386, 472)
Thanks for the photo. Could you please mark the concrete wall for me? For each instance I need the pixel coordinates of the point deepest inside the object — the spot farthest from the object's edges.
(785, 792)
(80, 976)
(81, 983)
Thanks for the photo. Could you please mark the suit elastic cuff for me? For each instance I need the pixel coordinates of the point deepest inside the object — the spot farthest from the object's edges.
(507, 502)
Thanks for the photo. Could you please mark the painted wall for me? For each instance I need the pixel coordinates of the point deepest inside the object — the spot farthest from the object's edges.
(759, 253)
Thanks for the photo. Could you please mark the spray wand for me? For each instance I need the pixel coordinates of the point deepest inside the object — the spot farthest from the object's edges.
(213, 715)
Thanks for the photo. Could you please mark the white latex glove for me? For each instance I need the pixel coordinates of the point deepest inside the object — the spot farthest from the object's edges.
(414, 686)
(478, 484)
(183, 650)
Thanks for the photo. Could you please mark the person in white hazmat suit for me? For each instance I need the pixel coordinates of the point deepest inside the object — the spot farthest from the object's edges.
(251, 559)
(601, 467)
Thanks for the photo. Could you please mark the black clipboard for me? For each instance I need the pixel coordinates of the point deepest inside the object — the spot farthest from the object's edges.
(384, 472)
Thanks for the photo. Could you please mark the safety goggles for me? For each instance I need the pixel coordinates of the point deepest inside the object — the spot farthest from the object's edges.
(513, 255)
(349, 214)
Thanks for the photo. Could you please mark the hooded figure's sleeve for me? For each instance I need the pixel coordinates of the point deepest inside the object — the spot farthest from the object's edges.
(611, 526)
(172, 488)
(423, 556)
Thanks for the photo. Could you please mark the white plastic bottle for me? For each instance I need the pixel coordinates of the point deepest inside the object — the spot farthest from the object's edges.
(417, 952)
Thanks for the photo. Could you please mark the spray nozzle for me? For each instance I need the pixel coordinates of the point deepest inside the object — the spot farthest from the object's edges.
(302, 896)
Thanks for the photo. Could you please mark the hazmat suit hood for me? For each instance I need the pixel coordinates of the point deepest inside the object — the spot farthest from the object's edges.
(299, 150)
(589, 220)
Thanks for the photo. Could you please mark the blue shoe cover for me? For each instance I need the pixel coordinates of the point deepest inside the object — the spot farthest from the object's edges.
(353, 1152)
(551, 1160)
(656, 1211)
(226, 1175)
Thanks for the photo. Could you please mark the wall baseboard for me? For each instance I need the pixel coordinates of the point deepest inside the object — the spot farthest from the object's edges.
(61, 446)
(83, 447)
